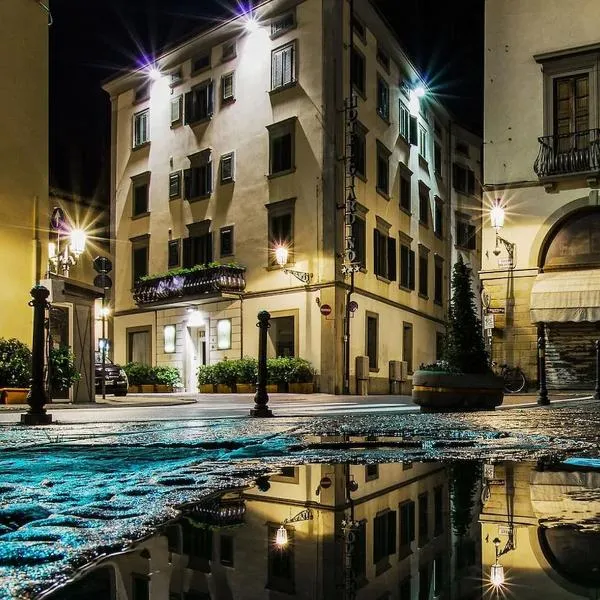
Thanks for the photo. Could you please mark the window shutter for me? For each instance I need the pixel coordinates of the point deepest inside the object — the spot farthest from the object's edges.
(403, 266)
(411, 270)
(189, 102)
(176, 110)
(276, 69)
(287, 65)
(376, 236)
(207, 183)
(209, 247)
(391, 533)
(391, 256)
(209, 99)
(413, 131)
(470, 182)
(187, 184)
(187, 252)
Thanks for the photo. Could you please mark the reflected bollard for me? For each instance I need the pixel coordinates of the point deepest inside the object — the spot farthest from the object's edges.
(261, 398)
(597, 390)
(543, 391)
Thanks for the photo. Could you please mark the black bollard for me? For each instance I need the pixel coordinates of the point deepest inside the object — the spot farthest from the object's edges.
(37, 397)
(261, 398)
(543, 391)
(597, 390)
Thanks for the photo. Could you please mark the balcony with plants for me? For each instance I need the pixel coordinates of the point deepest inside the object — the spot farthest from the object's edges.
(192, 283)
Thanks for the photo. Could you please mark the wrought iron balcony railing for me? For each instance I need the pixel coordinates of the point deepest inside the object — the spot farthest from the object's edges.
(566, 154)
(210, 280)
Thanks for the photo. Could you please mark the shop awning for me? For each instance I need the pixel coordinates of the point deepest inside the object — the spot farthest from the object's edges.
(566, 296)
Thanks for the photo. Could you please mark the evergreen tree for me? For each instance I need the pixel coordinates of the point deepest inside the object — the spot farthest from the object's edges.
(464, 348)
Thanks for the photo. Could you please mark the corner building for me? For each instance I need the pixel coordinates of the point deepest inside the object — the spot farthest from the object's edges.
(542, 164)
(238, 147)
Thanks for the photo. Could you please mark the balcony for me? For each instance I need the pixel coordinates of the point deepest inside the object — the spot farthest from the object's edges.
(190, 284)
(569, 154)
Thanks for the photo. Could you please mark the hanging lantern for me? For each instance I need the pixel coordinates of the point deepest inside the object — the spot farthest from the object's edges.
(281, 538)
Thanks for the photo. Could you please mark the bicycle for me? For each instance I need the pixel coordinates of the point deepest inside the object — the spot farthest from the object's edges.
(514, 378)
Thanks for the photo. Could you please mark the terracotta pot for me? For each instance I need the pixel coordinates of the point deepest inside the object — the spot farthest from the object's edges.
(224, 389)
(14, 395)
(207, 388)
(163, 388)
(147, 388)
(245, 388)
(301, 388)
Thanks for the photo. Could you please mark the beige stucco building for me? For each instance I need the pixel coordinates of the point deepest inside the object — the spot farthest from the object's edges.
(235, 143)
(541, 164)
(24, 158)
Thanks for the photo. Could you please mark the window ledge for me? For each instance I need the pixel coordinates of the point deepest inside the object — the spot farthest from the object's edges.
(384, 194)
(176, 124)
(438, 303)
(384, 118)
(360, 92)
(202, 121)
(227, 101)
(423, 163)
(373, 369)
(423, 296)
(281, 173)
(178, 197)
(198, 198)
(406, 211)
(424, 224)
(381, 567)
(404, 552)
(282, 88)
(228, 181)
(140, 146)
(140, 215)
(404, 140)
(382, 278)
(405, 289)
(362, 177)
(138, 101)
(200, 71)
(464, 248)
(438, 235)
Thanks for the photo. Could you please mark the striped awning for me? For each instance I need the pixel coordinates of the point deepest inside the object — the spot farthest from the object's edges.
(566, 296)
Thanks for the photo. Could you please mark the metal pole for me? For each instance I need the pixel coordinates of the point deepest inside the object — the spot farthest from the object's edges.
(37, 397)
(543, 391)
(261, 398)
(103, 347)
(597, 390)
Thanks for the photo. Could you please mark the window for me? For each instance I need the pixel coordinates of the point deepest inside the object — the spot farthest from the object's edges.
(169, 339)
(280, 562)
(423, 149)
(357, 71)
(282, 337)
(226, 241)
(465, 235)
(197, 543)
(228, 51)
(384, 255)
(359, 151)
(201, 62)
(423, 273)
(283, 66)
(359, 556)
(140, 587)
(407, 267)
(438, 280)
(423, 519)
(423, 204)
(287, 475)
(383, 58)
(437, 159)
(439, 345)
(461, 148)
(383, 99)
(175, 184)
(404, 121)
(359, 29)
(281, 147)
(227, 165)
(438, 217)
(141, 189)
(139, 345)
(405, 590)
(282, 24)
(223, 334)
(407, 345)
(384, 538)
(371, 471)
(372, 341)
(173, 253)
(438, 510)
(383, 169)
(464, 179)
(176, 110)
(359, 233)
(226, 547)
(197, 247)
(199, 103)
(571, 112)
(424, 582)
(438, 574)
(141, 128)
(141, 93)
(198, 181)
(405, 191)
(227, 88)
(281, 229)
(175, 77)
(407, 526)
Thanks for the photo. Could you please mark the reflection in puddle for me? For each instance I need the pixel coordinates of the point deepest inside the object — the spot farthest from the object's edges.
(412, 531)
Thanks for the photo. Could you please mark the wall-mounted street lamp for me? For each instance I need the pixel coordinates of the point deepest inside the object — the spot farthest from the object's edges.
(497, 215)
(68, 247)
(497, 577)
(281, 537)
(281, 256)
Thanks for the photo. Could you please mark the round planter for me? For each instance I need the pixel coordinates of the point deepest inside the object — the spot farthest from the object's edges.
(14, 395)
(438, 390)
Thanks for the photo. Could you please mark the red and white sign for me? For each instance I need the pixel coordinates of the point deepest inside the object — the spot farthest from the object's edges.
(325, 310)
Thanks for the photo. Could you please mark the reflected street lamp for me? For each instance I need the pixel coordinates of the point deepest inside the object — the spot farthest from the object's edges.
(497, 571)
(281, 537)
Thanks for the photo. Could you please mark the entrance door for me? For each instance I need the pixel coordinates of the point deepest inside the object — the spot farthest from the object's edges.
(196, 355)
(59, 336)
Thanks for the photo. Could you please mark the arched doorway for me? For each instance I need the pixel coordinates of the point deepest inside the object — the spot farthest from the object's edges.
(566, 299)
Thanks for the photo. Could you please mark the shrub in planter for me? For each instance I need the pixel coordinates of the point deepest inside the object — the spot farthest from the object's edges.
(167, 377)
(63, 373)
(139, 374)
(278, 371)
(206, 378)
(301, 377)
(246, 375)
(225, 375)
(15, 364)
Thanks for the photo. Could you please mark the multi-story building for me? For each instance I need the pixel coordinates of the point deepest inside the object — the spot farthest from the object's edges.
(540, 271)
(24, 152)
(285, 151)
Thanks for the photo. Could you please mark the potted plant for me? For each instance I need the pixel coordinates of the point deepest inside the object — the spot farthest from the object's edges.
(246, 375)
(278, 373)
(301, 377)
(166, 378)
(225, 376)
(140, 376)
(15, 371)
(462, 380)
(206, 379)
(63, 373)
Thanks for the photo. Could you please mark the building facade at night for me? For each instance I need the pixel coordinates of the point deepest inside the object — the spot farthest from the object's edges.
(234, 152)
(541, 167)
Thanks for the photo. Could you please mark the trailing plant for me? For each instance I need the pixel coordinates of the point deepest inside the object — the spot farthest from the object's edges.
(139, 374)
(63, 373)
(206, 375)
(164, 375)
(15, 363)
(188, 270)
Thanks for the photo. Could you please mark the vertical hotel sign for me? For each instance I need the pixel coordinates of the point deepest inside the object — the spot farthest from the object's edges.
(351, 113)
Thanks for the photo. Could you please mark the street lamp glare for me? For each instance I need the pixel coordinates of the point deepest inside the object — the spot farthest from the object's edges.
(251, 24)
(420, 90)
(154, 73)
(497, 216)
(78, 240)
(281, 255)
(281, 537)
(497, 578)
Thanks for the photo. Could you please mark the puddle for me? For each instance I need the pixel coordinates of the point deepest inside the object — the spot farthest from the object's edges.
(374, 531)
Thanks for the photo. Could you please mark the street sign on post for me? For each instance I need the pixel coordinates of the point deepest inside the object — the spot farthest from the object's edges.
(488, 322)
(325, 310)
(103, 281)
(102, 264)
(499, 310)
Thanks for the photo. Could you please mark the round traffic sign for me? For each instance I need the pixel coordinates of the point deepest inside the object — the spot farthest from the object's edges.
(102, 264)
(103, 281)
(325, 309)
(58, 219)
(325, 482)
(352, 306)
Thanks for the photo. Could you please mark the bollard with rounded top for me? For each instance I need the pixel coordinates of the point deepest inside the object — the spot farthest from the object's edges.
(543, 391)
(37, 397)
(261, 398)
(597, 390)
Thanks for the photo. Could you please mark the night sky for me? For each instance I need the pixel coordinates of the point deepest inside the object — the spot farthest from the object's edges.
(92, 40)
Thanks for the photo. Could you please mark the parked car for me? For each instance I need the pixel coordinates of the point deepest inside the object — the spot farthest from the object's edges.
(116, 378)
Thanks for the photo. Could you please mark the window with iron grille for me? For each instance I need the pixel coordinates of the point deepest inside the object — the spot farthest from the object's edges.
(282, 24)
(283, 66)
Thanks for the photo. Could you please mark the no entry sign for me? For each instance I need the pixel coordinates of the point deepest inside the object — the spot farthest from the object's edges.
(325, 310)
